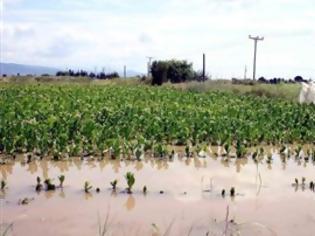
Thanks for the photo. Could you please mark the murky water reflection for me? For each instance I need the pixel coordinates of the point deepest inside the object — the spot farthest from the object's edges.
(266, 203)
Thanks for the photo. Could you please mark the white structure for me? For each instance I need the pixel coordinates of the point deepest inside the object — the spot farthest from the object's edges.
(307, 94)
(256, 39)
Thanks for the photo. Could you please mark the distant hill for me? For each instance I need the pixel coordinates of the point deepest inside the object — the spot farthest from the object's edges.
(13, 69)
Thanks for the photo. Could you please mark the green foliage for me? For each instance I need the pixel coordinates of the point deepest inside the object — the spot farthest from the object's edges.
(76, 119)
(114, 184)
(175, 71)
(130, 178)
(240, 150)
(160, 151)
(61, 180)
(227, 148)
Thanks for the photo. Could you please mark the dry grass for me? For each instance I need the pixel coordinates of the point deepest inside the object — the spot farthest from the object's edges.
(284, 91)
(65, 80)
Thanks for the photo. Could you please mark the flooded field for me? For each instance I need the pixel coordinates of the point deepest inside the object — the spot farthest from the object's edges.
(184, 197)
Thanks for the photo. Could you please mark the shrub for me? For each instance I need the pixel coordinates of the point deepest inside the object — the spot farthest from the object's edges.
(175, 71)
(299, 79)
(159, 72)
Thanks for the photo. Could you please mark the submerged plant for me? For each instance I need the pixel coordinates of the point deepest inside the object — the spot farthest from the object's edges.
(3, 184)
(144, 190)
(161, 150)
(232, 192)
(29, 158)
(39, 186)
(187, 151)
(227, 148)
(115, 149)
(240, 150)
(114, 184)
(61, 180)
(298, 151)
(130, 181)
(138, 154)
(87, 187)
(303, 181)
(49, 185)
(255, 155)
(262, 151)
(282, 149)
(198, 149)
(171, 156)
(269, 159)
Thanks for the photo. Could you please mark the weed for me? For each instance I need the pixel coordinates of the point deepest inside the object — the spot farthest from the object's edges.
(87, 187)
(49, 185)
(232, 192)
(3, 184)
(130, 178)
(114, 184)
(61, 180)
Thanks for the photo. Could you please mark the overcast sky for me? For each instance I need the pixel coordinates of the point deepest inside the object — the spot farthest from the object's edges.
(111, 33)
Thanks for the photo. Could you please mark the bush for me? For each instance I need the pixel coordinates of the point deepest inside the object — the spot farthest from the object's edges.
(175, 71)
(159, 72)
(299, 79)
(180, 71)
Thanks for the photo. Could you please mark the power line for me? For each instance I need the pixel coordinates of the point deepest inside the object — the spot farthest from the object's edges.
(256, 39)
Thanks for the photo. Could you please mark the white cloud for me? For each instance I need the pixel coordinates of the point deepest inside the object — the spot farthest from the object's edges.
(112, 33)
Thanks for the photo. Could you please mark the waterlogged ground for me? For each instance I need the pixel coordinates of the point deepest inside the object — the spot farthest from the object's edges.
(266, 202)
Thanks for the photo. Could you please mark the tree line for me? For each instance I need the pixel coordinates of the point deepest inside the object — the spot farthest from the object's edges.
(263, 80)
(83, 73)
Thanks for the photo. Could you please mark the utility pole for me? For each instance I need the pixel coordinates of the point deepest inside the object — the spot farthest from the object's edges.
(204, 67)
(245, 73)
(125, 71)
(149, 65)
(256, 39)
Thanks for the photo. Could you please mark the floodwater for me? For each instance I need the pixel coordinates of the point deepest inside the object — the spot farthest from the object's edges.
(266, 202)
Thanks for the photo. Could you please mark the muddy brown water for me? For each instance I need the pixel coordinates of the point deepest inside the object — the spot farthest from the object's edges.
(266, 202)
